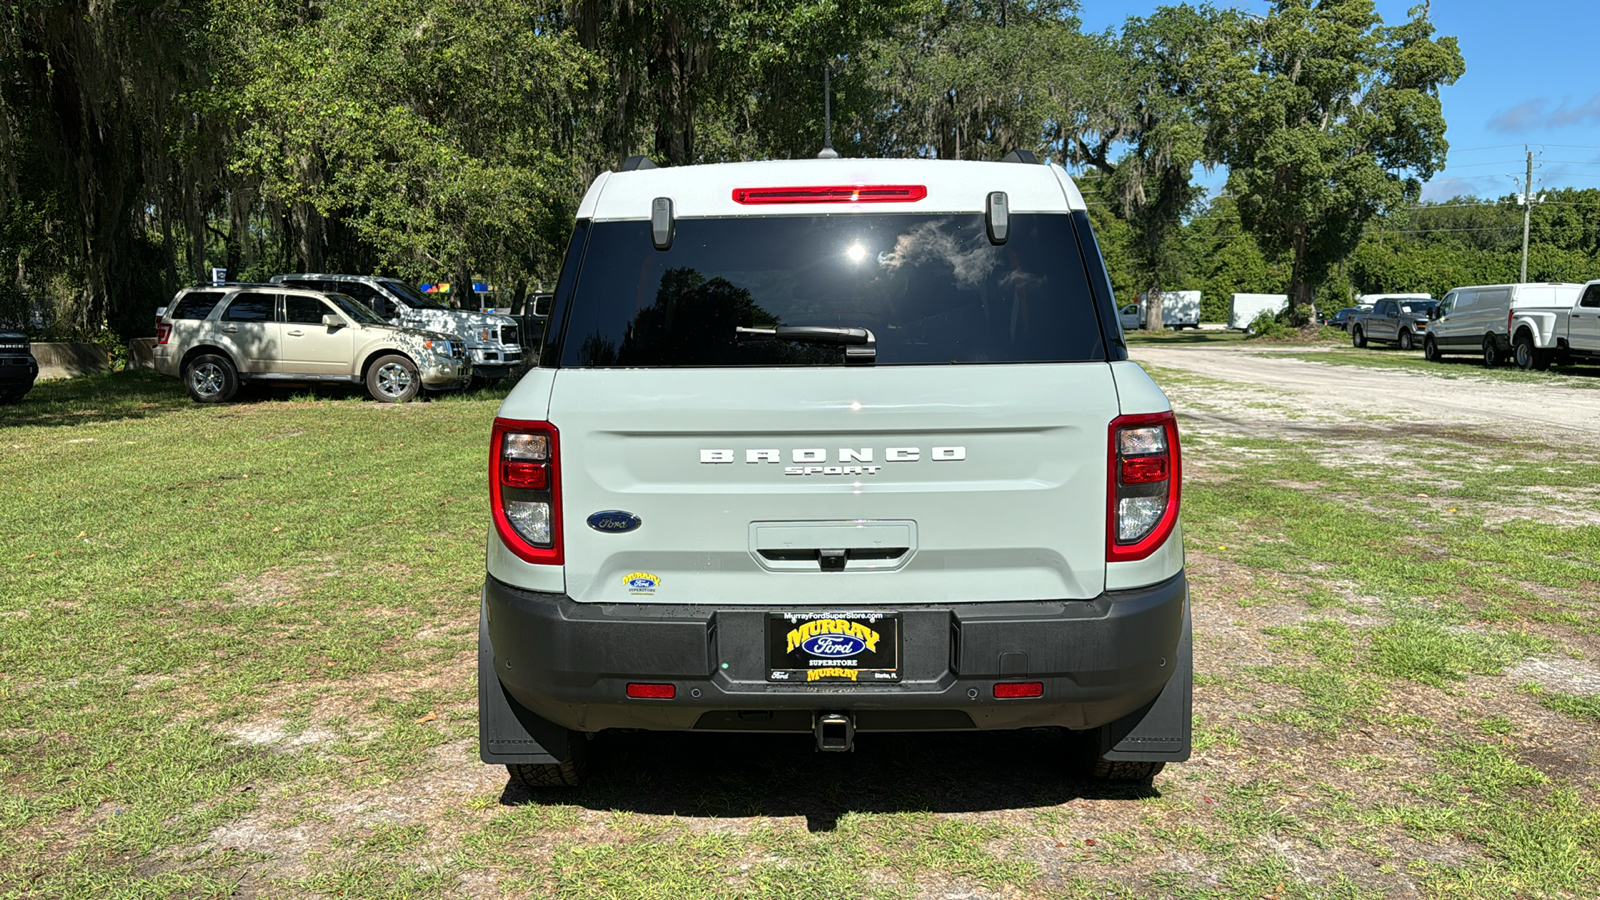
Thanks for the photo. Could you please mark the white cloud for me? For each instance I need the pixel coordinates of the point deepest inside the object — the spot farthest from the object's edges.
(1532, 115)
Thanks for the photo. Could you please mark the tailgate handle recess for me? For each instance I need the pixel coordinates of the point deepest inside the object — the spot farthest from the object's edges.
(833, 546)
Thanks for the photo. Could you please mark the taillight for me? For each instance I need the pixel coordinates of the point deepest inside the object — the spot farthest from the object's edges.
(163, 331)
(1143, 489)
(525, 489)
(845, 193)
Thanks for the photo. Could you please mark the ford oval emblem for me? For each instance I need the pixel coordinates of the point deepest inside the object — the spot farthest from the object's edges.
(833, 645)
(614, 521)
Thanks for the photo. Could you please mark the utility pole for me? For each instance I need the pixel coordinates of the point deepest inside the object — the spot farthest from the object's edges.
(1527, 210)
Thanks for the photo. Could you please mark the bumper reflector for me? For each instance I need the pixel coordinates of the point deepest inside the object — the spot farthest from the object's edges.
(1014, 690)
(641, 691)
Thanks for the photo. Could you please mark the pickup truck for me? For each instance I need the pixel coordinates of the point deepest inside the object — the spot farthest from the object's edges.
(1541, 335)
(1392, 321)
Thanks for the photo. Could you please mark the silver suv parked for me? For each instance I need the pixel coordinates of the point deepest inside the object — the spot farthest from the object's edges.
(493, 342)
(834, 447)
(218, 336)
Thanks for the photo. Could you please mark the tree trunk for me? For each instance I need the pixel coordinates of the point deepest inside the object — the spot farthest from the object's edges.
(1153, 306)
(675, 118)
(1299, 281)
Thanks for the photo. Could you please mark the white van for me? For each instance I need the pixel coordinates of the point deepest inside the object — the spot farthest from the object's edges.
(1479, 319)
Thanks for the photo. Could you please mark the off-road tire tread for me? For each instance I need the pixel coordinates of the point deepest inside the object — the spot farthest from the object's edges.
(534, 775)
(570, 773)
(1125, 770)
(1358, 338)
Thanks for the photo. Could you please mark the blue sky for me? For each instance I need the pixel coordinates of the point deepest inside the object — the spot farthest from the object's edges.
(1531, 80)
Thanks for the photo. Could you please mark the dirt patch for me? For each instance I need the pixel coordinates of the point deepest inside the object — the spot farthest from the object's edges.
(1332, 391)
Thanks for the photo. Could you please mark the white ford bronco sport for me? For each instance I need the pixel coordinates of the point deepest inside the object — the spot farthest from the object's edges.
(828, 447)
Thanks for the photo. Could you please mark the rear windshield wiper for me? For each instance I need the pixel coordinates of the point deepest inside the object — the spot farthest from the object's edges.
(860, 347)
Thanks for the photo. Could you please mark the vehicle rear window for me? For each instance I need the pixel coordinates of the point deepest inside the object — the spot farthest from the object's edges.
(197, 305)
(931, 288)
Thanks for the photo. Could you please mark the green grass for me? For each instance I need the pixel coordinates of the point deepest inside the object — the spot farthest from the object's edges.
(1585, 707)
(224, 626)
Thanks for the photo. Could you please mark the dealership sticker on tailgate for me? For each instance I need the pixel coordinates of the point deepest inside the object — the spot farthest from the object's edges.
(833, 647)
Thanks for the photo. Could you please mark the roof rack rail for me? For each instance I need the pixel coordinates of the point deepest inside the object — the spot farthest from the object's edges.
(635, 163)
(1021, 156)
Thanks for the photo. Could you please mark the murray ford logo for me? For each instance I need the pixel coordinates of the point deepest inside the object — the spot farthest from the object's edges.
(832, 638)
(833, 645)
(848, 460)
(614, 521)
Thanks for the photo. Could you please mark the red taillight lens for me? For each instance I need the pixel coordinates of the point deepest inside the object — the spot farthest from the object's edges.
(1144, 469)
(1144, 485)
(1016, 690)
(525, 489)
(529, 475)
(163, 331)
(640, 691)
(846, 193)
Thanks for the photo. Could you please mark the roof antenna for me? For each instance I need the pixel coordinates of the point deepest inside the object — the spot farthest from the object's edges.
(827, 116)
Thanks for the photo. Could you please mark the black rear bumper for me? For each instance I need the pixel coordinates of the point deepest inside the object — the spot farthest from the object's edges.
(17, 372)
(1099, 660)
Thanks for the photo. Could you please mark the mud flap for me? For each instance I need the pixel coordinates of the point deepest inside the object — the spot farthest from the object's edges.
(1160, 731)
(508, 734)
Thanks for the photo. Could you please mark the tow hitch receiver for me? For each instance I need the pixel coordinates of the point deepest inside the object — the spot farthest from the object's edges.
(836, 732)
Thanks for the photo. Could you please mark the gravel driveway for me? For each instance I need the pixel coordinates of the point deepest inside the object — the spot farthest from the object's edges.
(1452, 401)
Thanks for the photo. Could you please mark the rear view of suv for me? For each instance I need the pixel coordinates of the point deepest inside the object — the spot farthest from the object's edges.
(493, 342)
(18, 368)
(834, 447)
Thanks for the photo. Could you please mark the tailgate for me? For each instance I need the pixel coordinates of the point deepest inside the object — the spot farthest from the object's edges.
(910, 484)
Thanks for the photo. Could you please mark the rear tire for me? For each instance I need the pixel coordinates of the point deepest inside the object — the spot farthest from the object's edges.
(1525, 353)
(564, 774)
(1407, 342)
(211, 378)
(1430, 349)
(1358, 338)
(1491, 353)
(393, 379)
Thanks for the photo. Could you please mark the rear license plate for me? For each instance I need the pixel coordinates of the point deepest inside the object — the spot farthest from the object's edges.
(833, 647)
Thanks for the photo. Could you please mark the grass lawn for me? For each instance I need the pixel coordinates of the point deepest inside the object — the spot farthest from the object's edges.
(236, 659)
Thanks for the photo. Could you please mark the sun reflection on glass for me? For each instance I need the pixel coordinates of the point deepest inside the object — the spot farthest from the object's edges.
(856, 252)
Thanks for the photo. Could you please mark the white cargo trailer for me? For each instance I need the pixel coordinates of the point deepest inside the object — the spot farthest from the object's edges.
(1246, 307)
(1179, 309)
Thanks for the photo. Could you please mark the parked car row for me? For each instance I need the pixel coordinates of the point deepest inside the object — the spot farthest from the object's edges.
(217, 337)
(1534, 325)
(315, 327)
